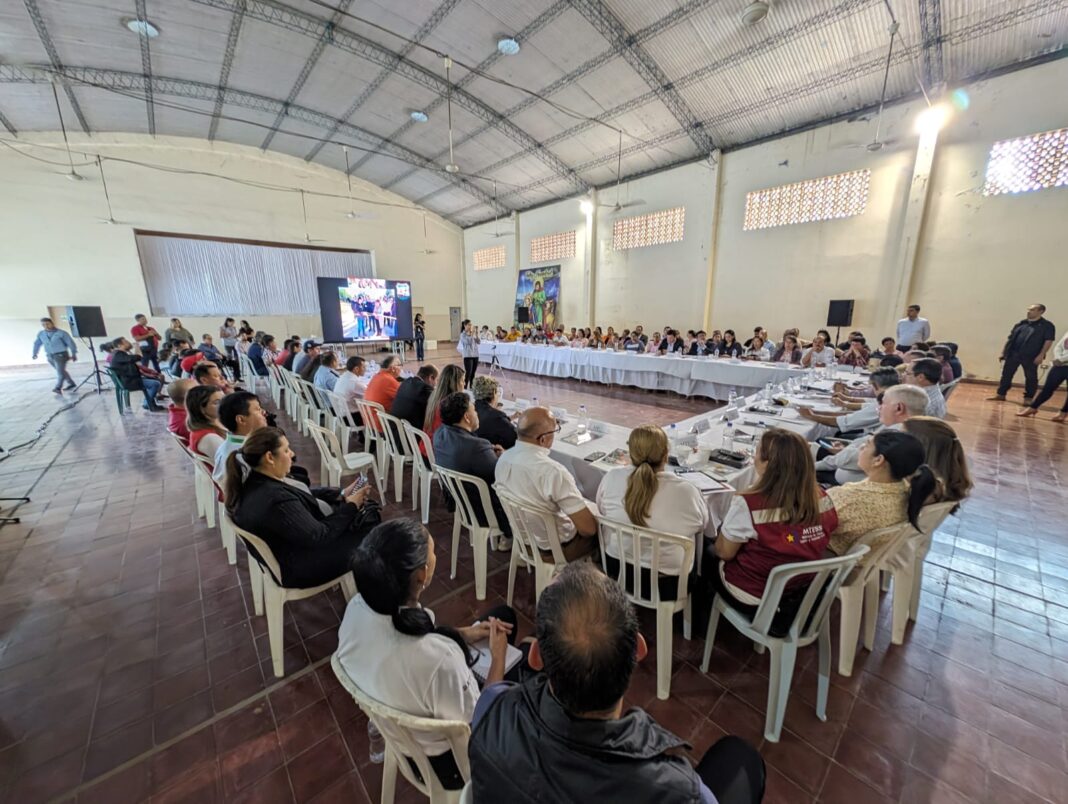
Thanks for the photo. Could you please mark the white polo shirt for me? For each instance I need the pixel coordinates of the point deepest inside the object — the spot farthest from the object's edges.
(864, 418)
(351, 387)
(822, 358)
(677, 508)
(424, 676)
(528, 473)
(936, 401)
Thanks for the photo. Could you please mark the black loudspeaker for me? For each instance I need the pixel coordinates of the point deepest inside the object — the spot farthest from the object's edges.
(840, 313)
(86, 322)
(522, 315)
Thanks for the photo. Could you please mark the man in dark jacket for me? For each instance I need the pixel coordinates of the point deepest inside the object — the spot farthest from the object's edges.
(410, 402)
(1026, 348)
(127, 369)
(563, 735)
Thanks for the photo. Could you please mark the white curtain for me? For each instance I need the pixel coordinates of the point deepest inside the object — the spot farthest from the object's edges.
(193, 277)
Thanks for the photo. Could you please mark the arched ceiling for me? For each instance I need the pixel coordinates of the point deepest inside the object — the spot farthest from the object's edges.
(679, 78)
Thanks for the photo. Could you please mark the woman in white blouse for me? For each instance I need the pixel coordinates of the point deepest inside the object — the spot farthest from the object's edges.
(646, 495)
(395, 652)
(653, 345)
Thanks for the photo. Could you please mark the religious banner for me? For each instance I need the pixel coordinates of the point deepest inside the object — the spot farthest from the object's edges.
(538, 291)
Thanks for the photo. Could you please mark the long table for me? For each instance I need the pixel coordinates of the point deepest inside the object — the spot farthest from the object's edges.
(689, 376)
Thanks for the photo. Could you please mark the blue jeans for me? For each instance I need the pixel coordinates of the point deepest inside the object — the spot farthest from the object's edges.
(59, 363)
(151, 389)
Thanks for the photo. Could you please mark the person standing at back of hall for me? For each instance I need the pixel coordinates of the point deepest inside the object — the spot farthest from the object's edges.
(59, 348)
(469, 342)
(912, 329)
(1025, 348)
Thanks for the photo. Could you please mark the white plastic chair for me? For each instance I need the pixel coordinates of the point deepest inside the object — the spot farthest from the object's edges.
(335, 464)
(422, 475)
(344, 420)
(859, 593)
(372, 436)
(292, 395)
(398, 451)
(399, 732)
(312, 406)
(275, 382)
(631, 545)
(812, 622)
(949, 388)
(525, 548)
(209, 499)
(906, 569)
(269, 594)
(457, 484)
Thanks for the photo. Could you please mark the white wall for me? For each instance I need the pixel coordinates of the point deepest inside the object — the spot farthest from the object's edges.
(55, 252)
(980, 261)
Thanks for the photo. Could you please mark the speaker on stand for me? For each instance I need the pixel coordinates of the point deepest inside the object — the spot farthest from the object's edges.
(88, 322)
(840, 314)
(522, 315)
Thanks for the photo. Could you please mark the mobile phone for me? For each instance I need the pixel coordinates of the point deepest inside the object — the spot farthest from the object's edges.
(831, 443)
(593, 456)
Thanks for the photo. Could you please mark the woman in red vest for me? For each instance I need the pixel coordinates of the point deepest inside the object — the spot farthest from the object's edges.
(783, 518)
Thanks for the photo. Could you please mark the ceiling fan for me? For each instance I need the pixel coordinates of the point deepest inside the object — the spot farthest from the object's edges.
(304, 210)
(877, 143)
(496, 232)
(110, 219)
(352, 214)
(426, 249)
(617, 206)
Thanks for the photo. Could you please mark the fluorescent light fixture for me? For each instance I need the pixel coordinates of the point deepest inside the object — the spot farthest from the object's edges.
(507, 46)
(586, 206)
(419, 116)
(931, 119)
(141, 27)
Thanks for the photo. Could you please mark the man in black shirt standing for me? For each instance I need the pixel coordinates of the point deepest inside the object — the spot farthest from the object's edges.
(1026, 347)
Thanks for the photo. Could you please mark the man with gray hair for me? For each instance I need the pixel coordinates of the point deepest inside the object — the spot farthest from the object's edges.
(528, 473)
(896, 404)
(565, 731)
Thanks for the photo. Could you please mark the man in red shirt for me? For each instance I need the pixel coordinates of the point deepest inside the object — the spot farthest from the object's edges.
(383, 386)
(146, 337)
(189, 361)
(176, 412)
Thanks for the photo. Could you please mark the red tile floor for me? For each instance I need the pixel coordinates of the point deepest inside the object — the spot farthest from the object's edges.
(131, 666)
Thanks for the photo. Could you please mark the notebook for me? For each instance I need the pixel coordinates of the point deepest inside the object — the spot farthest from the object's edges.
(481, 667)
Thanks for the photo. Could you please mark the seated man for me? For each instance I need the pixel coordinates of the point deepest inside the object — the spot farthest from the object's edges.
(209, 350)
(310, 351)
(529, 474)
(565, 731)
(189, 359)
(896, 404)
(176, 413)
(206, 373)
(457, 447)
(700, 345)
(942, 355)
(954, 361)
(412, 395)
(560, 339)
(864, 413)
(257, 351)
(671, 343)
(384, 385)
(925, 374)
(179, 349)
(241, 414)
(633, 344)
(353, 381)
(857, 354)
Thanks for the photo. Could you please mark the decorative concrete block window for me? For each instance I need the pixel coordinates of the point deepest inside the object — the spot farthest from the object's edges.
(487, 258)
(824, 199)
(654, 229)
(1023, 164)
(552, 247)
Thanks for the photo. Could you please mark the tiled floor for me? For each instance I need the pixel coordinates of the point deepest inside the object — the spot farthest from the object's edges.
(131, 666)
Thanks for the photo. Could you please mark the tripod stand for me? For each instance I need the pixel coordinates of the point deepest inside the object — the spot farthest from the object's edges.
(496, 371)
(96, 373)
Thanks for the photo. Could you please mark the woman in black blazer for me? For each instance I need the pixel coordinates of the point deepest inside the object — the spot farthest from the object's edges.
(493, 423)
(312, 547)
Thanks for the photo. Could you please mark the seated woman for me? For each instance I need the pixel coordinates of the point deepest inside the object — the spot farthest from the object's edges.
(730, 346)
(312, 547)
(757, 350)
(783, 518)
(945, 455)
(789, 352)
(494, 424)
(653, 345)
(206, 434)
(391, 646)
(450, 381)
(326, 374)
(646, 495)
(896, 487)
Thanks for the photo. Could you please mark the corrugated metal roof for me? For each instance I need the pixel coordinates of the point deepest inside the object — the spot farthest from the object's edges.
(809, 60)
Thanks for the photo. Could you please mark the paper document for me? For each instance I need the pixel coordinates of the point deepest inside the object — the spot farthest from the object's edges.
(481, 667)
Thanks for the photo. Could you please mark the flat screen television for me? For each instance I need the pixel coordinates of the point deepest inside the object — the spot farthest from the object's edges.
(360, 309)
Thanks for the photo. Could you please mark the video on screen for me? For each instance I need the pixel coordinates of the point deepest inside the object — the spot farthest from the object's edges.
(369, 308)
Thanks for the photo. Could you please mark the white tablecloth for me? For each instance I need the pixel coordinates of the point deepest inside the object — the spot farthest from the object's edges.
(689, 376)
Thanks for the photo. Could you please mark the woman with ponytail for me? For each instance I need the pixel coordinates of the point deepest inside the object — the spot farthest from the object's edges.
(646, 495)
(312, 547)
(395, 651)
(945, 456)
(897, 485)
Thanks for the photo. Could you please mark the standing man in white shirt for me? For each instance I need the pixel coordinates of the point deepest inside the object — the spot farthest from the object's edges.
(912, 329)
(529, 474)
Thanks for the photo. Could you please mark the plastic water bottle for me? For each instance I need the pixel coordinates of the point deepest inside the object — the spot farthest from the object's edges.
(715, 353)
(534, 402)
(728, 437)
(583, 420)
(673, 438)
(732, 397)
(768, 392)
(376, 743)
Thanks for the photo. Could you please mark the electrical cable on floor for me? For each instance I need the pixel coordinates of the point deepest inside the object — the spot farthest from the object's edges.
(40, 431)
